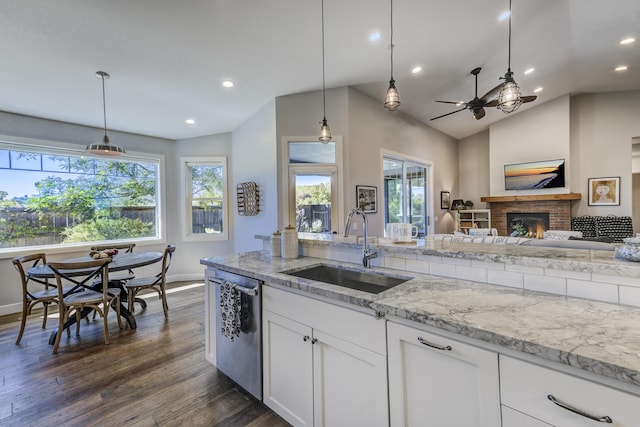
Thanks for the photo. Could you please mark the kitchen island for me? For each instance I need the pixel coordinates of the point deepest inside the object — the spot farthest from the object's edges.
(450, 292)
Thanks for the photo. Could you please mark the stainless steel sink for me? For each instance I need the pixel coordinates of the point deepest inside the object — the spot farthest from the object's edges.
(373, 283)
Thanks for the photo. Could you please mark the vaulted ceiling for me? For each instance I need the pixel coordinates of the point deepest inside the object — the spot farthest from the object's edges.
(168, 59)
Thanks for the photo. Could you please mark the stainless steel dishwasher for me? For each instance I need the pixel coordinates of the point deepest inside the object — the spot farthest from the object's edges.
(239, 351)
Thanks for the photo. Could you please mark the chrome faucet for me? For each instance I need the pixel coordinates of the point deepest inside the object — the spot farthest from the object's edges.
(367, 253)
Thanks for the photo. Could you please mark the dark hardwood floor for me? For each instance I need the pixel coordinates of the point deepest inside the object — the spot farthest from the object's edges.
(155, 375)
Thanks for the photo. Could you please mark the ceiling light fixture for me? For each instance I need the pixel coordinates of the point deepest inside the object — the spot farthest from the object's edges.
(190, 122)
(392, 99)
(510, 99)
(228, 83)
(325, 131)
(105, 147)
(627, 40)
(529, 71)
(621, 68)
(538, 89)
(374, 37)
(416, 70)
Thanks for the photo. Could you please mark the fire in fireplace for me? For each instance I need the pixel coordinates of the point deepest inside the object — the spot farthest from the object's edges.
(523, 224)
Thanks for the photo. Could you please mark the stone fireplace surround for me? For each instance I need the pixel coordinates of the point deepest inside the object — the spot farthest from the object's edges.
(557, 205)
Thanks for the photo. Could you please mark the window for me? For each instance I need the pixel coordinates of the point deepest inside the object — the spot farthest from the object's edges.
(406, 193)
(312, 190)
(204, 187)
(56, 196)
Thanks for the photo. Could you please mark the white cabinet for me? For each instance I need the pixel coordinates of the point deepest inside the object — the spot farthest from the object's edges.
(472, 218)
(529, 388)
(324, 365)
(513, 418)
(437, 381)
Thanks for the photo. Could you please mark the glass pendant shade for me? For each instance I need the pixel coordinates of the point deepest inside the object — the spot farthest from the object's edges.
(392, 99)
(104, 148)
(325, 132)
(509, 99)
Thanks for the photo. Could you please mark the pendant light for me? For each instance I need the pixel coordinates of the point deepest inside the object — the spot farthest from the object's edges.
(105, 147)
(325, 132)
(392, 99)
(509, 99)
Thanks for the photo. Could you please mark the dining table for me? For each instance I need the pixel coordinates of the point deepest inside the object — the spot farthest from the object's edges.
(120, 262)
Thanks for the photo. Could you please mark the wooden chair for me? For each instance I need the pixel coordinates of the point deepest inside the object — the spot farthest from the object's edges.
(84, 296)
(34, 291)
(156, 283)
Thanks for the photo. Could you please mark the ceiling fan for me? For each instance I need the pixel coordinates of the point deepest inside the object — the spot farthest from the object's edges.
(476, 105)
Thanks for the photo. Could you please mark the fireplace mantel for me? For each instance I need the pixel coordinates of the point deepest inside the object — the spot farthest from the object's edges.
(531, 198)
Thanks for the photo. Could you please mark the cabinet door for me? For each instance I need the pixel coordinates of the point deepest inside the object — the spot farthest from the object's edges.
(287, 368)
(350, 384)
(454, 385)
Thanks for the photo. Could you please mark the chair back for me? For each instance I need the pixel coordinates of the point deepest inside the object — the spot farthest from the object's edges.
(166, 261)
(127, 247)
(31, 261)
(81, 275)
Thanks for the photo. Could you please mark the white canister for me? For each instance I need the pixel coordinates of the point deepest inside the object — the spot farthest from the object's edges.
(276, 244)
(290, 242)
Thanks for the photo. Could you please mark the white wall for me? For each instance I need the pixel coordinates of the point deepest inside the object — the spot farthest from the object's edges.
(189, 253)
(473, 169)
(254, 158)
(603, 126)
(540, 133)
(373, 129)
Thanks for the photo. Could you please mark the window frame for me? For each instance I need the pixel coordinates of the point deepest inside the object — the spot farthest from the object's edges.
(186, 196)
(288, 207)
(50, 147)
(429, 197)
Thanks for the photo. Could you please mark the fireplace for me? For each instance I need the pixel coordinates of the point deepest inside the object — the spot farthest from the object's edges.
(527, 224)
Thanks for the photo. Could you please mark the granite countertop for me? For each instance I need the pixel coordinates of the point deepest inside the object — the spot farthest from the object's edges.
(597, 337)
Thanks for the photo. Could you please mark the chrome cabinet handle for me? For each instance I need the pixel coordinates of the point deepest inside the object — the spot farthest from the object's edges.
(603, 419)
(436, 346)
(305, 338)
(315, 340)
(252, 292)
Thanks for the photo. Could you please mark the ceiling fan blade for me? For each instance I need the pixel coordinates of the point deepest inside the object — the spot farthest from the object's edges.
(493, 92)
(528, 98)
(479, 114)
(493, 103)
(448, 114)
(453, 102)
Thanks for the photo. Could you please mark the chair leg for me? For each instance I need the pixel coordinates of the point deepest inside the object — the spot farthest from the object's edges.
(46, 314)
(78, 319)
(116, 301)
(62, 318)
(105, 322)
(165, 306)
(23, 322)
(130, 297)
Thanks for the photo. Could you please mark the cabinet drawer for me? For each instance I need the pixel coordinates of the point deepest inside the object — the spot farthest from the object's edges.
(526, 387)
(353, 326)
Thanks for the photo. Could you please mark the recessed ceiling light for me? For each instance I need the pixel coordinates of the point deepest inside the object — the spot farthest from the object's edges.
(416, 70)
(374, 37)
(529, 70)
(538, 89)
(621, 68)
(190, 122)
(627, 40)
(228, 83)
(504, 16)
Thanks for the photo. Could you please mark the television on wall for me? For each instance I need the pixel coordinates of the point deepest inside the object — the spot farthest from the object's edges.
(534, 175)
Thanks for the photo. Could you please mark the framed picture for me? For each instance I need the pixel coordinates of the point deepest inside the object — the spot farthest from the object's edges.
(604, 191)
(445, 200)
(367, 198)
